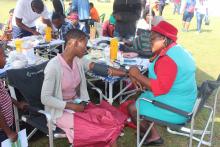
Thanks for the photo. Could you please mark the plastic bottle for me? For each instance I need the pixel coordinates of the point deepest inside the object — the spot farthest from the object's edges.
(48, 34)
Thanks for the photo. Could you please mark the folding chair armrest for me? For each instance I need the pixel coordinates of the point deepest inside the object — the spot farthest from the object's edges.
(37, 110)
(167, 107)
(99, 91)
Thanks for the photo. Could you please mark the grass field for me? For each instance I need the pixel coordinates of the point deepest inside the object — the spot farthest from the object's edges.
(205, 49)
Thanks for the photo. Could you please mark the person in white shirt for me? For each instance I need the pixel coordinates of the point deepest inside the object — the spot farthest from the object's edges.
(25, 15)
(144, 22)
(201, 9)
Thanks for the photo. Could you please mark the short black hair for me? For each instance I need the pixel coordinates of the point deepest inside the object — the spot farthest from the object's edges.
(91, 4)
(75, 34)
(57, 15)
(11, 11)
(38, 4)
(147, 11)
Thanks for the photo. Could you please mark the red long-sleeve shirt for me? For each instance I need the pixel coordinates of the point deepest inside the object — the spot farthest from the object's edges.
(166, 70)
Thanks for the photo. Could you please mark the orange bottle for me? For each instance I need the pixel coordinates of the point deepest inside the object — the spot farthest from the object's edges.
(113, 49)
(48, 34)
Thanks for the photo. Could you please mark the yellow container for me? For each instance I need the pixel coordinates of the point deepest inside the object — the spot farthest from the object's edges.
(18, 45)
(48, 34)
(113, 49)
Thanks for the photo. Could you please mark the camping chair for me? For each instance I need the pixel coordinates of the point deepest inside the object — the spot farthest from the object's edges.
(102, 18)
(28, 81)
(205, 91)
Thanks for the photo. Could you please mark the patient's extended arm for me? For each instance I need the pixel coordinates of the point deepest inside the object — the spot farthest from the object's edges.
(105, 70)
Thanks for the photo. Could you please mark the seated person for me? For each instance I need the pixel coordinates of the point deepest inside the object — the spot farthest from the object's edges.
(6, 108)
(59, 23)
(108, 27)
(143, 23)
(64, 82)
(94, 13)
(74, 18)
(8, 27)
(174, 85)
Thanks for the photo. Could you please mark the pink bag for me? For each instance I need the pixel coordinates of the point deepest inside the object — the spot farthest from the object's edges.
(98, 126)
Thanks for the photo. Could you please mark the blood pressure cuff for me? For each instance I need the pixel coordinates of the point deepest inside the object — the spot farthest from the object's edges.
(100, 69)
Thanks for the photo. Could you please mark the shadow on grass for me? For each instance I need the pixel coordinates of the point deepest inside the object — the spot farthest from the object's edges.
(202, 31)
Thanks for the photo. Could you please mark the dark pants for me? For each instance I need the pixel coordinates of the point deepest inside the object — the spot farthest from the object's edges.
(2, 136)
(17, 32)
(176, 8)
(199, 18)
(161, 7)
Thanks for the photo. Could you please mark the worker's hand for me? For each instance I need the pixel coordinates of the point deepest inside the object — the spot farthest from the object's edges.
(137, 84)
(34, 32)
(13, 136)
(134, 71)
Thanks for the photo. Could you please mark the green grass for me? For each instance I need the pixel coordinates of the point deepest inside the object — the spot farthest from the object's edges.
(204, 48)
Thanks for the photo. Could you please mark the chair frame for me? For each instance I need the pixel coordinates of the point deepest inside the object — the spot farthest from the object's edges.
(188, 132)
(50, 134)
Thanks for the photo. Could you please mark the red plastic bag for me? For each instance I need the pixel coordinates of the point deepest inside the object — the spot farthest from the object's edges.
(124, 109)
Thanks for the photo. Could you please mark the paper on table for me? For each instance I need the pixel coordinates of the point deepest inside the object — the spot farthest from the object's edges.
(56, 42)
(21, 141)
(29, 54)
(136, 61)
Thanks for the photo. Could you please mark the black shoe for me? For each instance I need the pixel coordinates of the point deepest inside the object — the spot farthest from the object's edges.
(157, 142)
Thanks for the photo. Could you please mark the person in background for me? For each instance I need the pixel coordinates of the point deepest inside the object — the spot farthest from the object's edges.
(6, 108)
(177, 5)
(188, 8)
(81, 7)
(94, 13)
(155, 8)
(108, 27)
(25, 14)
(74, 18)
(143, 23)
(63, 26)
(69, 9)
(162, 4)
(9, 22)
(201, 10)
(8, 28)
(165, 84)
(64, 94)
(58, 6)
(126, 13)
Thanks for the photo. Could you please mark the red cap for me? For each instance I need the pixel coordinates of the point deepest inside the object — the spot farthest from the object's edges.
(166, 29)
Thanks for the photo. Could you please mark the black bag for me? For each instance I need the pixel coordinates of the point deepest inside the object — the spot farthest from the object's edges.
(207, 22)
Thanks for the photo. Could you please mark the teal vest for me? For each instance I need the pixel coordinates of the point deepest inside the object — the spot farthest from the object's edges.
(183, 92)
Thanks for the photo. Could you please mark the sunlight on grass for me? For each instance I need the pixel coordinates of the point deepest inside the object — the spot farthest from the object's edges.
(217, 119)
